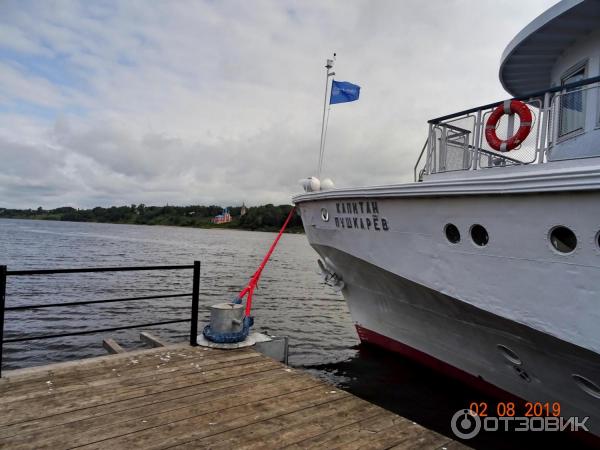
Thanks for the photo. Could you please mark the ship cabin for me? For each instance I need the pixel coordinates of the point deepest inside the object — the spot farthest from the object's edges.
(552, 70)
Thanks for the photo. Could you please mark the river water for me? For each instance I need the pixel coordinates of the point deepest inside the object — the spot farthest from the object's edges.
(290, 301)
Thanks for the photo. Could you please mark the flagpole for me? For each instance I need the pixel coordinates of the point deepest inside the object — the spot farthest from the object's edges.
(328, 66)
(324, 138)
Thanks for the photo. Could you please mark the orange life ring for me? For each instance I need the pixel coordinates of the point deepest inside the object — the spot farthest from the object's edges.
(508, 107)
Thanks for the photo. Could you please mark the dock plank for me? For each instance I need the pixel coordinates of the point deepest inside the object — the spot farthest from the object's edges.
(100, 368)
(54, 404)
(138, 419)
(176, 430)
(191, 397)
(124, 376)
(383, 431)
(151, 340)
(89, 365)
(112, 346)
(180, 393)
(289, 428)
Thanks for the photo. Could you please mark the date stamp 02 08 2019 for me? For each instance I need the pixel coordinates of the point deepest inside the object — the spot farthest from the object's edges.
(511, 409)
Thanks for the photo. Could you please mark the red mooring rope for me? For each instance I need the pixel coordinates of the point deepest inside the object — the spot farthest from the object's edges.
(249, 289)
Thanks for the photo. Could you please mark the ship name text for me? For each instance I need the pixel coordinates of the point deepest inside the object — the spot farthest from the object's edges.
(362, 215)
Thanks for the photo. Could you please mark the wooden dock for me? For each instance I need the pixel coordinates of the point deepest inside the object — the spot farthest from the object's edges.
(192, 397)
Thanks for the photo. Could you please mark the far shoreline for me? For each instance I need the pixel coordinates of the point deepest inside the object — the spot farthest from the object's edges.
(209, 226)
(268, 217)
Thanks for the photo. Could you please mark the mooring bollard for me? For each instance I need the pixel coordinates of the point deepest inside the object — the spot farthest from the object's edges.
(229, 329)
(226, 318)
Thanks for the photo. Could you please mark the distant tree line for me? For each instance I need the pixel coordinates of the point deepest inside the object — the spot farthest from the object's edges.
(261, 218)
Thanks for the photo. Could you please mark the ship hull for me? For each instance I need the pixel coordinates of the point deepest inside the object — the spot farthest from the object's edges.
(506, 359)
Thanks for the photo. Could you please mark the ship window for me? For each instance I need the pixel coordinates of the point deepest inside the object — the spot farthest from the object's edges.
(452, 233)
(479, 235)
(587, 386)
(572, 103)
(563, 239)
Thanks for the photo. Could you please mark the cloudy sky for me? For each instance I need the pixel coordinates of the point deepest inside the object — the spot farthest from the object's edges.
(187, 102)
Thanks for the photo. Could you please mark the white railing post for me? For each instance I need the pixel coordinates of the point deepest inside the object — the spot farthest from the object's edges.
(555, 109)
(478, 129)
(430, 145)
(443, 150)
(545, 130)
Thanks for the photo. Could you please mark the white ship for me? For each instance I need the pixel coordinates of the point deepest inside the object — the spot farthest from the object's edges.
(487, 267)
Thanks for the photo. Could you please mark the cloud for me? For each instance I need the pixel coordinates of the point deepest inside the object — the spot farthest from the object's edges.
(220, 102)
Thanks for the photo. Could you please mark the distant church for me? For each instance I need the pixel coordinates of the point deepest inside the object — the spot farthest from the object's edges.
(224, 217)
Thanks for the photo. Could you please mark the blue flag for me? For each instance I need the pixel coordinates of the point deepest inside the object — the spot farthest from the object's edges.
(342, 92)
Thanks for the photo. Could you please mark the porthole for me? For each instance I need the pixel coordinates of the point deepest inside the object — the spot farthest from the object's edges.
(324, 215)
(479, 235)
(563, 239)
(452, 233)
(587, 386)
(510, 355)
(598, 239)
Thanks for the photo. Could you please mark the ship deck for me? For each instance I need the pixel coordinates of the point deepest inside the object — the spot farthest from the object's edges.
(193, 397)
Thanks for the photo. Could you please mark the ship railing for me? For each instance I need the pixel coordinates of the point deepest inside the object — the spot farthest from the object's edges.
(192, 318)
(457, 142)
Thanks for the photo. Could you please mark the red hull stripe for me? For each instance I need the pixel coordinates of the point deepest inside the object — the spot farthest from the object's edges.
(435, 364)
